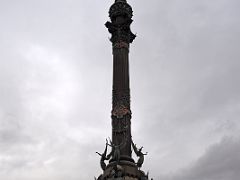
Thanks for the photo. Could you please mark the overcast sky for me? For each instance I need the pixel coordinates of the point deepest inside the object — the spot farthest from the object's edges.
(56, 78)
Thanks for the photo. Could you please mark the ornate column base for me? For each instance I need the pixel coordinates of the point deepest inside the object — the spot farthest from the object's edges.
(126, 170)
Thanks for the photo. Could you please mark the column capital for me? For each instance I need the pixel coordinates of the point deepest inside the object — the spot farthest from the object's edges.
(120, 14)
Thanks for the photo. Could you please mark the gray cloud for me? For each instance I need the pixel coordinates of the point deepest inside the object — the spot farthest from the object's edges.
(55, 90)
(221, 161)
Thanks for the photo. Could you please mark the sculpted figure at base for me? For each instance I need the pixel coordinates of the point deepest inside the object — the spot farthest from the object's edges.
(104, 157)
(139, 153)
(115, 151)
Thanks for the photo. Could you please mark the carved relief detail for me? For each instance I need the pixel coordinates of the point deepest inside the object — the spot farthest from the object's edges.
(121, 32)
(121, 44)
(120, 110)
(121, 97)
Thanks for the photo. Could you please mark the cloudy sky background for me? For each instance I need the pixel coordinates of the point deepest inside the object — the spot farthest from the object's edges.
(55, 90)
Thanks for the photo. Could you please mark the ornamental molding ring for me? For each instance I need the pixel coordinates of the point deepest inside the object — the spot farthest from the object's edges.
(120, 110)
(121, 44)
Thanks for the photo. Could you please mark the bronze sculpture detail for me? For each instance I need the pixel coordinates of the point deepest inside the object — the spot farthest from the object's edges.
(104, 157)
(139, 153)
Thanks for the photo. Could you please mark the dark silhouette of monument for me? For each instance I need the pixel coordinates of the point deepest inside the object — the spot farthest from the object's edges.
(120, 164)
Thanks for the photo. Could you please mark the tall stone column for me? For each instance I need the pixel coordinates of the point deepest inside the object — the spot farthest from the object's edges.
(121, 18)
(121, 165)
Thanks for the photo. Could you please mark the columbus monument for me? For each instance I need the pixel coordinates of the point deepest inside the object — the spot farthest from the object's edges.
(118, 162)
